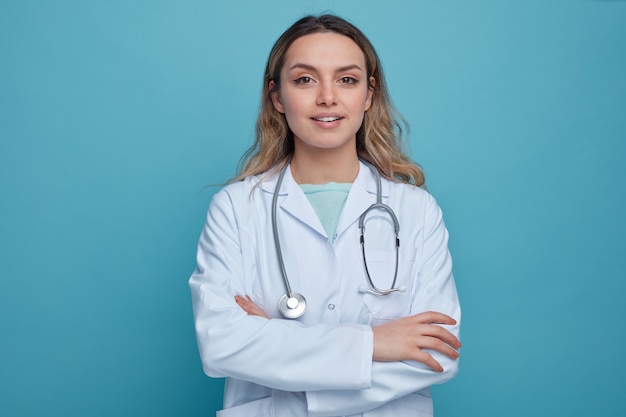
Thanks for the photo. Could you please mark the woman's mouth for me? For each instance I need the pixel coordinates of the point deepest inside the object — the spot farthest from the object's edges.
(327, 119)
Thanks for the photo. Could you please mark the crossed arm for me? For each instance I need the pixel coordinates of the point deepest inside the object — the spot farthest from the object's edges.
(401, 339)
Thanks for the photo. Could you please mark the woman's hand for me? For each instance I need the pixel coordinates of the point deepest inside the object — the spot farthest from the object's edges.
(249, 307)
(405, 339)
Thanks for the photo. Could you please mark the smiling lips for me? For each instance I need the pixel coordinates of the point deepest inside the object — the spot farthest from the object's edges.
(327, 120)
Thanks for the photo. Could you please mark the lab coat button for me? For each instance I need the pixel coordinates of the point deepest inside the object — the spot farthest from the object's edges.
(331, 306)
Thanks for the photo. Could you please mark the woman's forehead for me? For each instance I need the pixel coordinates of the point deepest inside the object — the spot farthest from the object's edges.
(326, 49)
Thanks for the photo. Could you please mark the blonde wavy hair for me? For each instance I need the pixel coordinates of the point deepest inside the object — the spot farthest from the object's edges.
(379, 140)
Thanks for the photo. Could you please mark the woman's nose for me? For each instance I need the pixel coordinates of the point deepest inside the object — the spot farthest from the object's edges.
(326, 96)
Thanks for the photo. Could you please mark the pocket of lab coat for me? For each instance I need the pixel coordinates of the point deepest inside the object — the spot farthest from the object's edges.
(381, 266)
(263, 407)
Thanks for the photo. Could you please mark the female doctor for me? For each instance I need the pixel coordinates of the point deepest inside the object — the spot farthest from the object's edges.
(324, 283)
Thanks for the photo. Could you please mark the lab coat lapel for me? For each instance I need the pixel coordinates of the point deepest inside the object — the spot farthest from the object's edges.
(362, 195)
(293, 201)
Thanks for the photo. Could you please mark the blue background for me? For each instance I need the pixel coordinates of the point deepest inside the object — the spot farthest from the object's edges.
(118, 117)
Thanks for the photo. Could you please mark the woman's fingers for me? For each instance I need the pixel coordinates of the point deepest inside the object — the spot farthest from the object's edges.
(430, 325)
(250, 307)
(408, 338)
(429, 361)
(439, 333)
(438, 345)
(433, 317)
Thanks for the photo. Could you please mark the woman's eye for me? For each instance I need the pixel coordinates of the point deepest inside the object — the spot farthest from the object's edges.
(348, 80)
(303, 80)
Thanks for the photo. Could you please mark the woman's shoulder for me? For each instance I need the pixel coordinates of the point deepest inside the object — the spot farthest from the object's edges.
(238, 191)
(408, 190)
(416, 199)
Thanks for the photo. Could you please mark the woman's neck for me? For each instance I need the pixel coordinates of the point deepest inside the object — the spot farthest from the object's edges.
(322, 169)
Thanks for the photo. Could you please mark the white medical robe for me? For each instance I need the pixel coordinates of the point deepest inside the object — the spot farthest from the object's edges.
(321, 363)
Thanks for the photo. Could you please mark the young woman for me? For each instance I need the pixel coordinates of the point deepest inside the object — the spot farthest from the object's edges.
(324, 283)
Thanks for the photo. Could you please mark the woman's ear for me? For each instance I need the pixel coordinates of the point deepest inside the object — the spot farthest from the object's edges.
(370, 93)
(274, 94)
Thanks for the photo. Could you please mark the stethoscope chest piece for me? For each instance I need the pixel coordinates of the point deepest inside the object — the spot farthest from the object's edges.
(292, 307)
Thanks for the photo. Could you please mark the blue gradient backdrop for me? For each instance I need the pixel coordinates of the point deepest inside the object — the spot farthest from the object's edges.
(116, 115)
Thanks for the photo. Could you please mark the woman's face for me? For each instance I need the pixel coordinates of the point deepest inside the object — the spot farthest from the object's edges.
(324, 92)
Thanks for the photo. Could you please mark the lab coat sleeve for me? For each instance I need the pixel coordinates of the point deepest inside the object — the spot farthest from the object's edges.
(276, 353)
(436, 291)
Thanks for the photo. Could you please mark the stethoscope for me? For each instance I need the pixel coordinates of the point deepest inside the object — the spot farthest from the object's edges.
(292, 305)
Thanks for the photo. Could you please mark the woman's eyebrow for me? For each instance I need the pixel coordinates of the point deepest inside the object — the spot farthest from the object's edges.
(311, 68)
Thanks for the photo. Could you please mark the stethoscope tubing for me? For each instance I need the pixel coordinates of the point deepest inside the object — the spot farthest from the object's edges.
(279, 252)
(292, 305)
(396, 227)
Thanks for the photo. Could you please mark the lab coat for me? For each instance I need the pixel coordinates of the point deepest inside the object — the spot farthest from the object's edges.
(321, 363)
